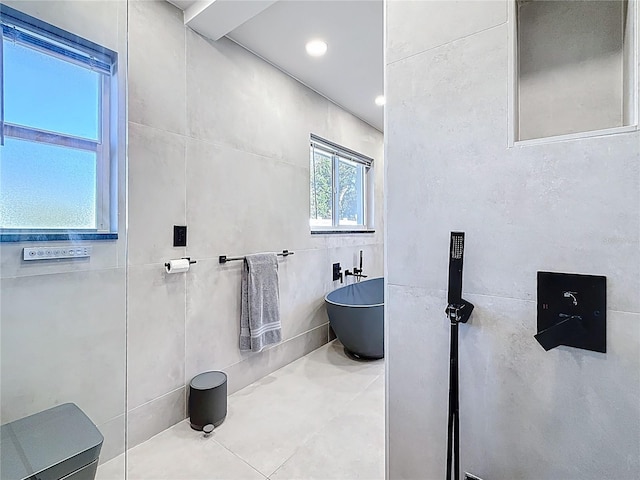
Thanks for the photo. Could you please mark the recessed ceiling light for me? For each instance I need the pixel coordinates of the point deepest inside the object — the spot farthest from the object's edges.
(316, 48)
(379, 100)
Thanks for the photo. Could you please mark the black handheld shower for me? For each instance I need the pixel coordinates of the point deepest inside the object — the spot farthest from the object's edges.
(458, 311)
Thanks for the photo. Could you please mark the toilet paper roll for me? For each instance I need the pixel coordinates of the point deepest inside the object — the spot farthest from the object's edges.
(177, 266)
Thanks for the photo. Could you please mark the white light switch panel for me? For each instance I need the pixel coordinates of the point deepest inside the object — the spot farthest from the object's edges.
(47, 253)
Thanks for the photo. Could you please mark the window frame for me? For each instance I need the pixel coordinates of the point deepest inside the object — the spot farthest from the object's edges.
(47, 39)
(336, 153)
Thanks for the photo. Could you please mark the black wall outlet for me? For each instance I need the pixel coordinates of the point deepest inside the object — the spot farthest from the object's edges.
(179, 236)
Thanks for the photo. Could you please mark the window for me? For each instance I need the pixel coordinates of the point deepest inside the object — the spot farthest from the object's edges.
(57, 115)
(339, 180)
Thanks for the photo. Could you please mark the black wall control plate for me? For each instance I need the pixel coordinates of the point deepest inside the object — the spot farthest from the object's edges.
(179, 236)
(572, 311)
(337, 274)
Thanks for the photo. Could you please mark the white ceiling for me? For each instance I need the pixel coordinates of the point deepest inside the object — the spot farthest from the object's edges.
(351, 72)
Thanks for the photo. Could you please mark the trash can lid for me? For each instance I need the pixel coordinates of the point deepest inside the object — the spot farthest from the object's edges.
(208, 380)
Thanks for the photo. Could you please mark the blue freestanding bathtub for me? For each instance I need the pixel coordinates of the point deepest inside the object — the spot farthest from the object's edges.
(356, 314)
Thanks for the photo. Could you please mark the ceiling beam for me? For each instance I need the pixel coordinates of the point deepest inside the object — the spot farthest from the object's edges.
(215, 18)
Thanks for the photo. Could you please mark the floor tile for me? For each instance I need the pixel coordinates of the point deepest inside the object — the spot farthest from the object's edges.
(182, 453)
(112, 470)
(320, 417)
(271, 418)
(351, 446)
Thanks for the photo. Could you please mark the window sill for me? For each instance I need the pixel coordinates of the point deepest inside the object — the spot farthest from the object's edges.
(55, 237)
(339, 232)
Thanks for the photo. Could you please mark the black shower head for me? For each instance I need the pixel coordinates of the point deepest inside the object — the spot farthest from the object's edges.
(456, 252)
(458, 310)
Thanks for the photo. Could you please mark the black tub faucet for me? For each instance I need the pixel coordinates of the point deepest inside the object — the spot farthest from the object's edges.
(357, 272)
(359, 276)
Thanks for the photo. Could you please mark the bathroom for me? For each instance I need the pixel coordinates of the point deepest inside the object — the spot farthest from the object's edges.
(212, 137)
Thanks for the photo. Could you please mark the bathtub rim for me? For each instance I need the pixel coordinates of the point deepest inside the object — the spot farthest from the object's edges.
(370, 305)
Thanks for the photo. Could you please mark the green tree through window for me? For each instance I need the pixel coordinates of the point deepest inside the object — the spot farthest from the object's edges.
(321, 186)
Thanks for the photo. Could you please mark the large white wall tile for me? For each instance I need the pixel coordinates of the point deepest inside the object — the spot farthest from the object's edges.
(513, 395)
(114, 439)
(155, 334)
(416, 26)
(156, 194)
(99, 21)
(471, 180)
(152, 418)
(417, 370)
(351, 132)
(240, 203)
(63, 340)
(444, 138)
(258, 365)
(354, 240)
(304, 280)
(213, 317)
(237, 99)
(538, 405)
(157, 95)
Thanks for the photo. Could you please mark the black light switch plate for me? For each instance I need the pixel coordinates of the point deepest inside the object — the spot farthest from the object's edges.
(179, 236)
(337, 274)
(572, 311)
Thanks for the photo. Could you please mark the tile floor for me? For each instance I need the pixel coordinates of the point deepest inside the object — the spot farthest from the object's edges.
(320, 417)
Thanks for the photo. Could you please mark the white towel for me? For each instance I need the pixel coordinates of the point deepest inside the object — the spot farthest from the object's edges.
(260, 315)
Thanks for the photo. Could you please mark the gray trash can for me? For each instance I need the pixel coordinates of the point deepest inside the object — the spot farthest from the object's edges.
(58, 443)
(207, 400)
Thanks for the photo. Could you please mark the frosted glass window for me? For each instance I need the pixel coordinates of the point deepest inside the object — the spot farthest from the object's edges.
(47, 187)
(56, 146)
(48, 93)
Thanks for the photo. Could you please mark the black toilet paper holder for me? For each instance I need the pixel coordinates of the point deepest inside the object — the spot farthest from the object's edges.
(191, 262)
(572, 311)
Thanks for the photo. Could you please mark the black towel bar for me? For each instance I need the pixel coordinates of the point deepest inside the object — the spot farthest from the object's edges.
(225, 259)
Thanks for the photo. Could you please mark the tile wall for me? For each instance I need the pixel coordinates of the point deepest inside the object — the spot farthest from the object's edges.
(218, 141)
(570, 206)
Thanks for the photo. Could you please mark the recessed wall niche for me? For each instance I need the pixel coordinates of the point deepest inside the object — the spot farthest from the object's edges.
(576, 66)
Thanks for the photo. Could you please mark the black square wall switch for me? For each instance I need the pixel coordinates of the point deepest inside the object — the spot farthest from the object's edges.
(179, 236)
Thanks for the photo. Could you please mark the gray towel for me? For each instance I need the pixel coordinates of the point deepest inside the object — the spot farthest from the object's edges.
(260, 315)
